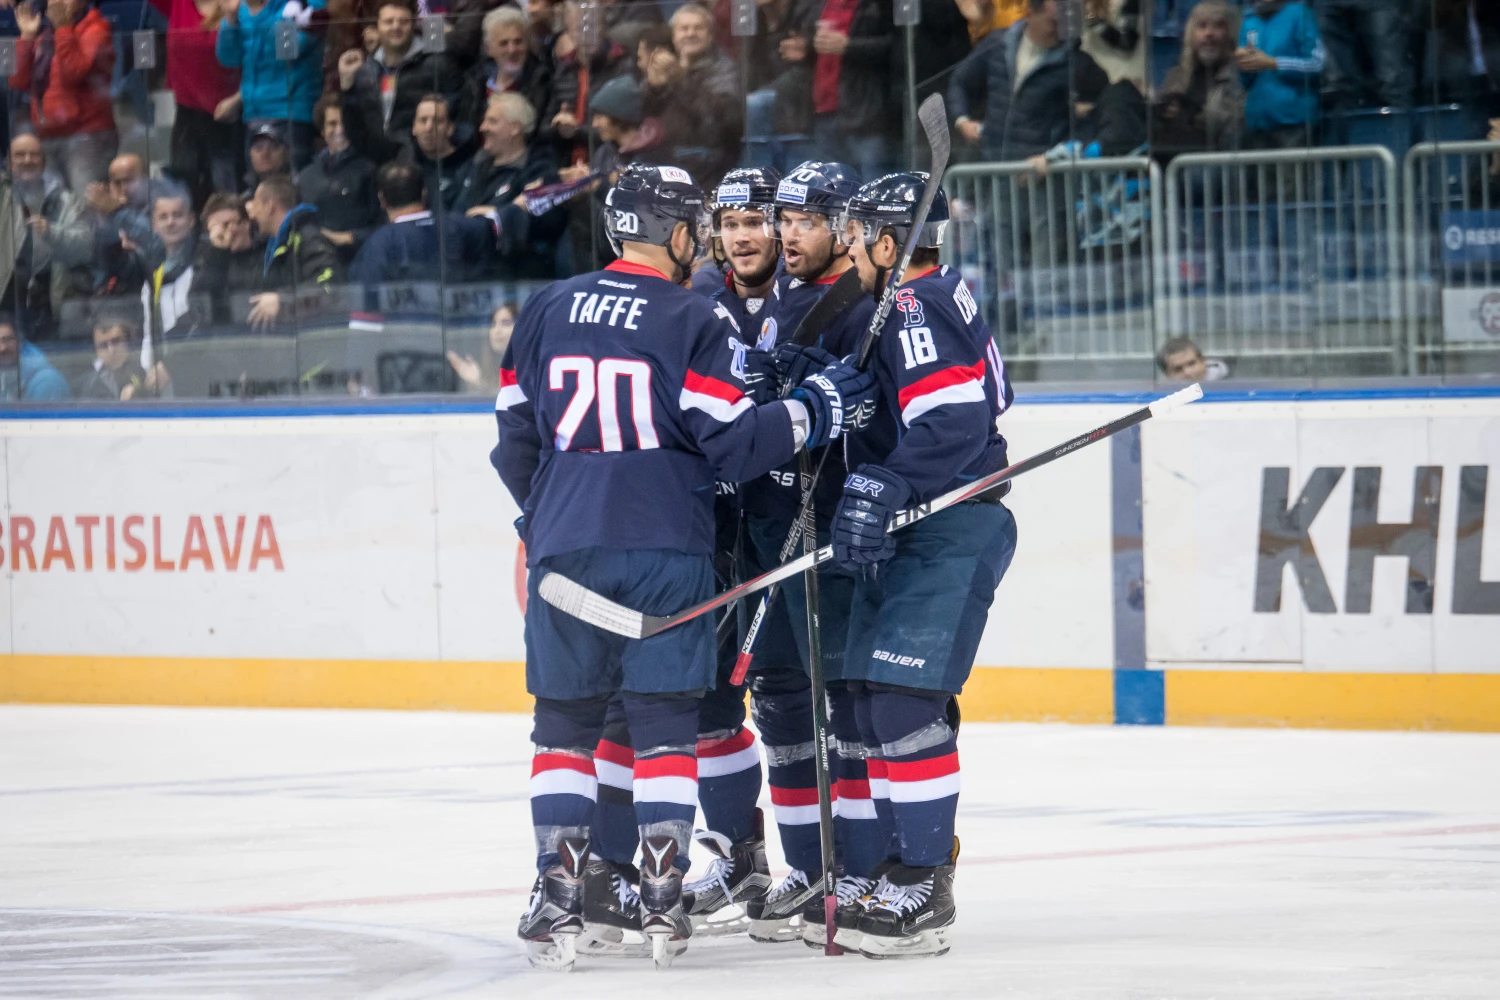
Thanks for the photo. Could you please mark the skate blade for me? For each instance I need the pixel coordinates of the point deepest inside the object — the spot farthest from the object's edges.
(780, 931)
(848, 939)
(603, 941)
(665, 948)
(556, 955)
(928, 944)
(727, 920)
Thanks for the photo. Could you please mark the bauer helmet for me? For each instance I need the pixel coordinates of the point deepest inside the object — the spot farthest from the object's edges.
(891, 202)
(818, 187)
(647, 203)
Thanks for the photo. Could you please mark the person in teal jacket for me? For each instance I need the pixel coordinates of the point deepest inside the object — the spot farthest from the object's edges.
(272, 89)
(25, 372)
(1280, 58)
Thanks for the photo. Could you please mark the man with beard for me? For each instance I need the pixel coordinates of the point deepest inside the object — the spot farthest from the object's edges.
(53, 245)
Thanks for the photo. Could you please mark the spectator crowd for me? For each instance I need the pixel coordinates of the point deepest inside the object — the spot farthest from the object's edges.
(319, 146)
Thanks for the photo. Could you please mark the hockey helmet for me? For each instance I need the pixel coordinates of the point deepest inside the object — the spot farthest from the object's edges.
(647, 203)
(818, 187)
(747, 188)
(891, 201)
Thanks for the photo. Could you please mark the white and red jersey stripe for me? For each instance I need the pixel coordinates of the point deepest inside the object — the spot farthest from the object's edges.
(718, 399)
(554, 773)
(923, 780)
(615, 765)
(949, 385)
(671, 777)
(731, 755)
(510, 392)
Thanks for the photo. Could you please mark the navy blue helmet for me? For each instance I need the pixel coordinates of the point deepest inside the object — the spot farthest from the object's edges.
(647, 203)
(818, 187)
(747, 189)
(892, 201)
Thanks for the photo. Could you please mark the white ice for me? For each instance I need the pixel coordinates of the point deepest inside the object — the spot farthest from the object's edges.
(203, 853)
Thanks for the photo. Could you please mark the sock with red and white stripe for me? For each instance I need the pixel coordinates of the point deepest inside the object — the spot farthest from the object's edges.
(729, 781)
(856, 827)
(614, 833)
(785, 721)
(664, 734)
(920, 754)
(880, 795)
(563, 789)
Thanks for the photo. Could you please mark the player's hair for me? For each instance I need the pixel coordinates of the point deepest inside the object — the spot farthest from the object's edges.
(401, 184)
(1175, 346)
(281, 189)
(517, 109)
(926, 257)
(504, 14)
(221, 201)
(696, 9)
(326, 103)
(658, 36)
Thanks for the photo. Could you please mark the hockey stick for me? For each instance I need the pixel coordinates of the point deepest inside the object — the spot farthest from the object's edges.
(933, 117)
(580, 602)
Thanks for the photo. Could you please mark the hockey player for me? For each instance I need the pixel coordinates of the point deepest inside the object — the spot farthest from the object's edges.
(915, 625)
(618, 408)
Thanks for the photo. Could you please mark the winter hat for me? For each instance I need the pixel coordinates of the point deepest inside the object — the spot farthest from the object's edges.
(620, 99)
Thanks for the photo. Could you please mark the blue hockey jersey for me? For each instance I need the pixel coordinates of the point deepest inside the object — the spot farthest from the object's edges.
(942, 387)
(618, 407)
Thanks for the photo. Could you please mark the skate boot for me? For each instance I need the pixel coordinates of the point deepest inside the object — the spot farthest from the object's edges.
(852, 908)
(612, 912)
(554, 920)
(854, 895)
(738, 873)
(662, 919)
(912, 916)
(777, 916)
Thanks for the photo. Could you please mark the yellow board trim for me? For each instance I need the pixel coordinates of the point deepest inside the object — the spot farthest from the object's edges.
(1469, 702)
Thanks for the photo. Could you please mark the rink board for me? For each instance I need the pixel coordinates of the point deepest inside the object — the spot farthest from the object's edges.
(357, 559)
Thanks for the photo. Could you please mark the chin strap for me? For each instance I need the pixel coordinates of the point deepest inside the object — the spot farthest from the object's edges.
(684, 270)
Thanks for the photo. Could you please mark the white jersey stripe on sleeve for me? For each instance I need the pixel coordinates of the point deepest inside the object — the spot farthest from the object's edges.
(964, 392)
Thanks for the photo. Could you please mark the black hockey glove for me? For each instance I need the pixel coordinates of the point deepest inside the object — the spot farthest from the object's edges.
(831, 394)
(794, 364)
(762, 381)
(872, 497)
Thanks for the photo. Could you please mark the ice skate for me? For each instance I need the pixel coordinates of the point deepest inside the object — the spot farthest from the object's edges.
(777, 917)
(717, 902)
(854, 895)
(554, 921)
(912, 915)
(664, 924)
(612, 912)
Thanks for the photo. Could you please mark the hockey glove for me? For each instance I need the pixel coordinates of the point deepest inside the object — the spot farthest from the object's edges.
(829, 395)
(872, 497)
(794, 364)
(762, 382)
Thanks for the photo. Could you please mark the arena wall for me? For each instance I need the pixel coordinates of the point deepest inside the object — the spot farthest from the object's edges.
(1231, 564)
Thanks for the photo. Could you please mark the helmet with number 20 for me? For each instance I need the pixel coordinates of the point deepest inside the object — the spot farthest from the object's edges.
(647, 203)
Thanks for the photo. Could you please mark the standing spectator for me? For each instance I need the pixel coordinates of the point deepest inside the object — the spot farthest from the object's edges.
(53, 245)
(439, 147)
(117, 373)
(495, 180)
(229, 259)
(300, 266)
(667, 100)
(509, 65)
(1201, 104)
(120, 214)
(269, 156)
(340, 182)
(207, 137)
(1280, 58)
(1465, 63)
(64, 63)
(466, 27)
(25, 372)
(416, 246)
(624, 136)
(1025, 80)
(714, 81)
(483, 375)
(389, 84)
(170, 293)
(778, 109)
(542, 29)
(855, 83)
(1367, 44)
(272, 90)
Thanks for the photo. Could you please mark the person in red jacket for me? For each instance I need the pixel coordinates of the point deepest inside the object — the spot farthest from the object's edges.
(64, 63)
(207, 137)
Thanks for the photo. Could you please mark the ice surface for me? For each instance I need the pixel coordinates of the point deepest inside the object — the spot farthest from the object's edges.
(215, 854)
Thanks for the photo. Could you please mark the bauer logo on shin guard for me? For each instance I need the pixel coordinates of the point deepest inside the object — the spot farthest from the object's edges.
(863, 485)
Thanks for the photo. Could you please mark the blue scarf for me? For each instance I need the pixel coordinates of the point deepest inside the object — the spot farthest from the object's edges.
(281, 234)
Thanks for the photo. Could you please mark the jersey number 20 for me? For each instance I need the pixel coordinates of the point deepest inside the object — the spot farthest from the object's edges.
(597, 383)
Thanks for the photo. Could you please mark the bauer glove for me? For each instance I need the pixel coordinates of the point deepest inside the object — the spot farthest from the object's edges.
(872, 498)
(762, 381)
(831, 394)
(794, 364)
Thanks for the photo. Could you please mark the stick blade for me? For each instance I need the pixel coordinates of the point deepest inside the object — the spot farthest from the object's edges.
(582, 603)
(933, 116)
(1181, 397)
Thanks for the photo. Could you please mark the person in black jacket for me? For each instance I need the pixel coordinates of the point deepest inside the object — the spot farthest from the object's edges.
(340, 182)
(1058, 84)
(508, 66)
(388, 85)
(494, 182)
(300, 267)
(440, 148)
(229, 259)
(855, 85)
(778, 109)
